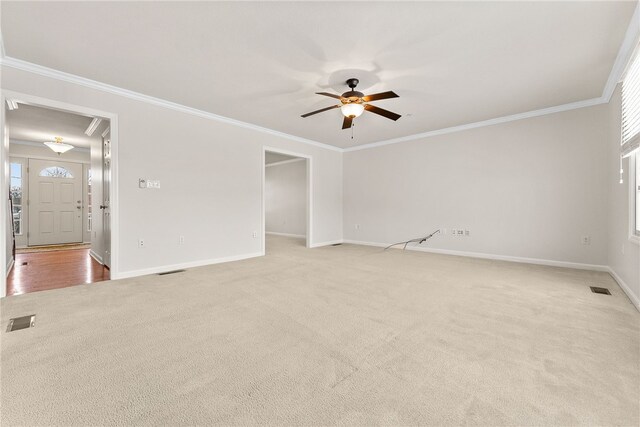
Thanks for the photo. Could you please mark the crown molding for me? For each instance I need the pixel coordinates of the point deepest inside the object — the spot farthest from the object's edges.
(93, 126)
(82, 81)
(627, 48)
(484, 123)
(12, 104)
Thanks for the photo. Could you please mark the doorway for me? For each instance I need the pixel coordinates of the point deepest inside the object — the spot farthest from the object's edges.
(55, 202)
(60, 230)
(286, 197)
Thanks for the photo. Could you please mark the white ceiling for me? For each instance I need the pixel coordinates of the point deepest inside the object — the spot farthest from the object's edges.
(37, 124)
(452, 63)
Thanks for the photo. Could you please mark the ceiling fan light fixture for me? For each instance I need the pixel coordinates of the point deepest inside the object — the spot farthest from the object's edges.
(353, 103)
(58, 146)
(352, 110)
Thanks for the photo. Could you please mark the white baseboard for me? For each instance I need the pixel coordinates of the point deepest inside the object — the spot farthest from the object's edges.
(333, 242)
(299, 236)
(538, 261)
(184, 265)
(95, 256)
(627, 290)
(10, 266)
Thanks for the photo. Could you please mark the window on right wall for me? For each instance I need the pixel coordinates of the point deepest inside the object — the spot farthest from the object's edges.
(630, 140)
(636, 194)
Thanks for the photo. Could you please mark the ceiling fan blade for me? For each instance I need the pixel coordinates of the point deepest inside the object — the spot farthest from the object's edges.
(381, 111)
(379, 96)
(346, 123)
(332, 95)
(320, 111)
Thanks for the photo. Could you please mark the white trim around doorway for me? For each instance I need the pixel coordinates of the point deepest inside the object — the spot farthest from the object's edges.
(309, 161)
(4, 177)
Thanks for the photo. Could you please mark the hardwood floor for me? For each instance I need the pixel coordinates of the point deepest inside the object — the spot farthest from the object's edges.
(41, 271)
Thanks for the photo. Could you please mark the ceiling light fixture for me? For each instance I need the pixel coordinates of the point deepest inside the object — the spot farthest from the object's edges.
(352, 110)
(58, 146)
(13, 105)
(353, 103)
(93, 126)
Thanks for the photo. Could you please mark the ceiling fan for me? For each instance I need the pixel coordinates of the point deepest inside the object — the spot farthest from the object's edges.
(353, 103)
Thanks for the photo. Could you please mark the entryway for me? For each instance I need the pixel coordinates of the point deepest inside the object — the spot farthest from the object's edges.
(54, 268)
(60, 197)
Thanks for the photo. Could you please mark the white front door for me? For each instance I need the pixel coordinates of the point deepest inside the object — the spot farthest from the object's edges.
(55, 202)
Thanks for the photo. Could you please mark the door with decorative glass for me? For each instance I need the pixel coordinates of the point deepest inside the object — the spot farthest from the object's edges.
(55, 202)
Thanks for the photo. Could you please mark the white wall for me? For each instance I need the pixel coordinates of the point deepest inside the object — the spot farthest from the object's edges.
(624, 254)
(286, 198)
(530, 188)
(210, 173)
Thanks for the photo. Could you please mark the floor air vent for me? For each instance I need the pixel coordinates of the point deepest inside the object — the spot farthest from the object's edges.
(171, 272)
(597, 290)
(23, 322)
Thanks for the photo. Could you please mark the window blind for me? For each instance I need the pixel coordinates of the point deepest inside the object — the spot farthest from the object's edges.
(631, 108)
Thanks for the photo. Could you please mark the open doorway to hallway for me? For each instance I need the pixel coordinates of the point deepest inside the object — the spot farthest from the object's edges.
(59, 166)
(287, 197)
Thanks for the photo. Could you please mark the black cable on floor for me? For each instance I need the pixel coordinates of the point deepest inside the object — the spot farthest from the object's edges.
(419, 241)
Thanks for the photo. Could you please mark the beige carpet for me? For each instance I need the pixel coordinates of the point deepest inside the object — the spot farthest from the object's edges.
(343, 335)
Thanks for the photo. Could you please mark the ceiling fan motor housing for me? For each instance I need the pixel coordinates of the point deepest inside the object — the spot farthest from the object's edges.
(352, 83)
(352, 96)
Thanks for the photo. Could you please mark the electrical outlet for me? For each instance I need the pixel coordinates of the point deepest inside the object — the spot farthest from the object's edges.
(357, 226)
(585, 240)
(141, 243)
(255, 234)
(460, 232)
(466, 232)
(181, 240)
